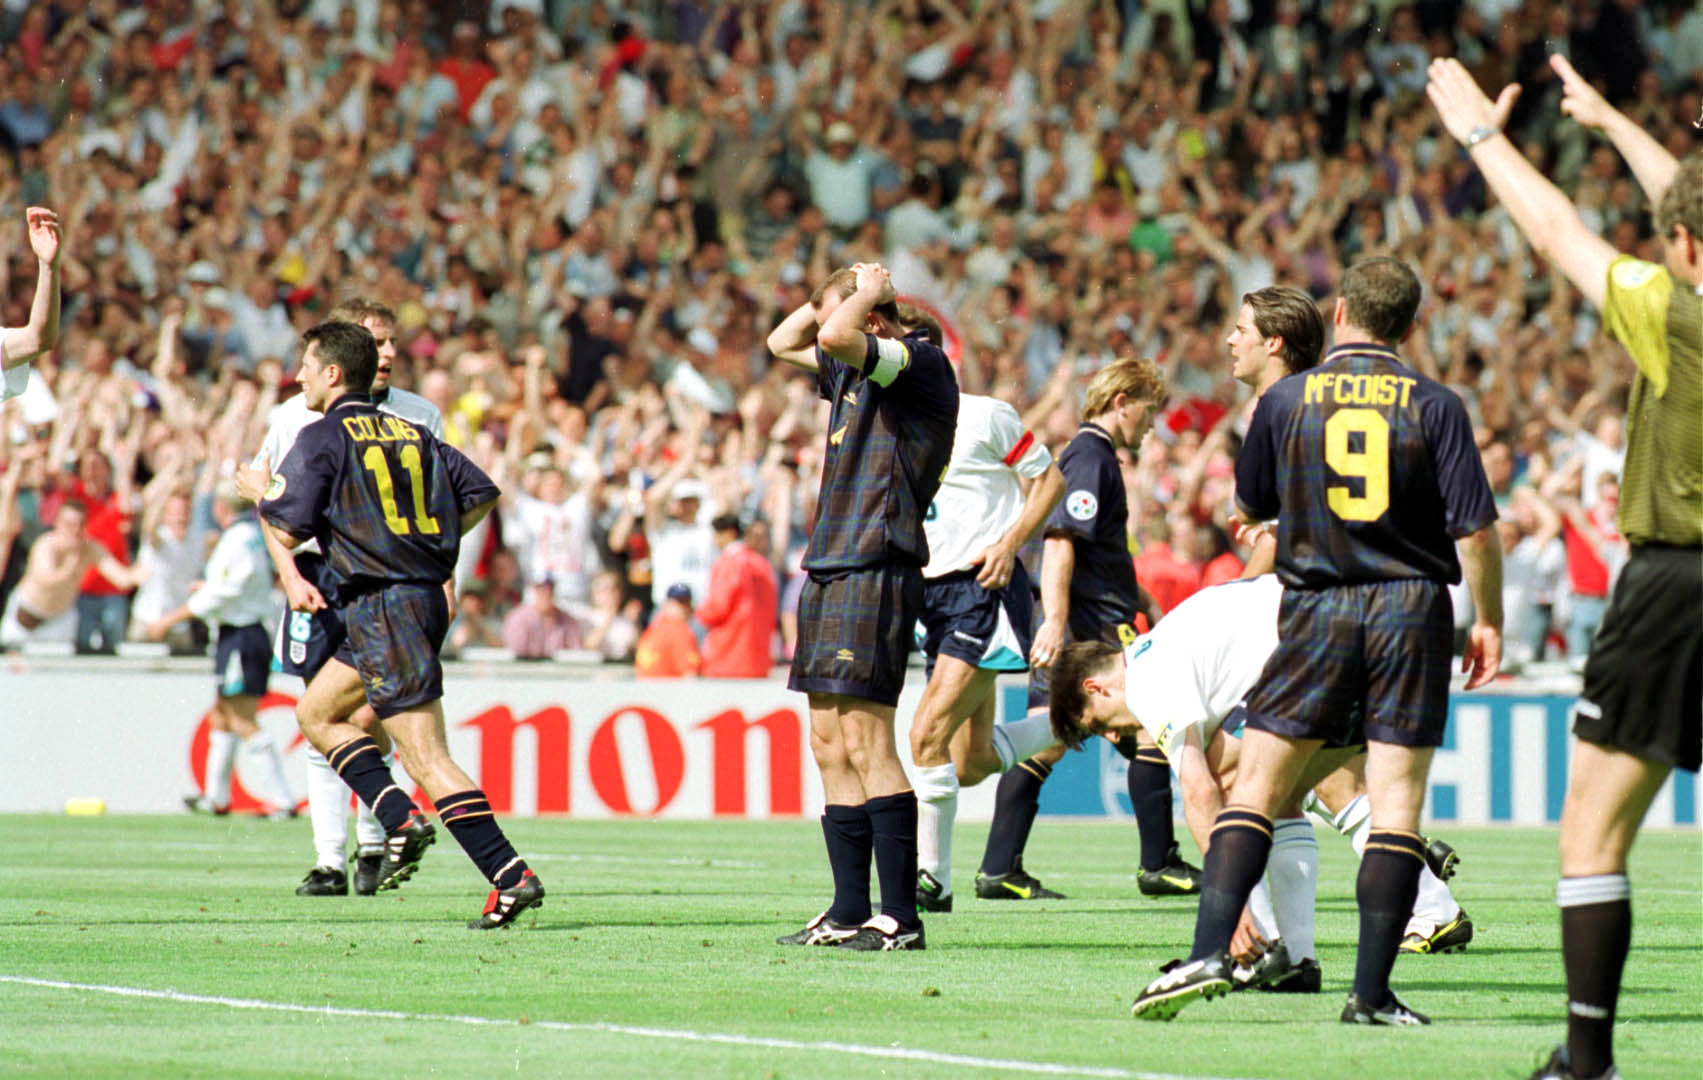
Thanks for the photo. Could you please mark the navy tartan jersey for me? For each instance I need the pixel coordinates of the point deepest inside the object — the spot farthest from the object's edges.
(383, 497)
(1370, 469)
(1094, 515)
(888, 448)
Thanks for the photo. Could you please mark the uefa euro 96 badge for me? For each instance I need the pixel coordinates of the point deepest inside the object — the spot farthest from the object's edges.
(1081, 505)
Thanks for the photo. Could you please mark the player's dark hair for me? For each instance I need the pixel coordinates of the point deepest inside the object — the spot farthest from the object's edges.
(357, 310)
(1288, 313)
(1066, 699)
(350, 348)
(842, 283)
(1382, 295)
(1682, 203)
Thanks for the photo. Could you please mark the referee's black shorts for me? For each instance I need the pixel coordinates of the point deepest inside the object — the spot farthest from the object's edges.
(1643, 689)
(1383, 644)
(855, 632)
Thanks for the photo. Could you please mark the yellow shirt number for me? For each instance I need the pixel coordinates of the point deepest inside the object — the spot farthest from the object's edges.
(1371, 463)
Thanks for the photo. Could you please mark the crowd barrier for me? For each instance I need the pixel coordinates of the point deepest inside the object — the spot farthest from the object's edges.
(593, 742)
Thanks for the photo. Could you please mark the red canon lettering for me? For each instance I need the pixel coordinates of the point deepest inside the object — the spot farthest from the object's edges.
(667, 759)
(728, 731)
(496, 727)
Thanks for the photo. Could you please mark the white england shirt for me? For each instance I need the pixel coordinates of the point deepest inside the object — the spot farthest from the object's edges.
(237, 584)
(556, 539)
(288, 419)
(980, 497)
(1201, 660)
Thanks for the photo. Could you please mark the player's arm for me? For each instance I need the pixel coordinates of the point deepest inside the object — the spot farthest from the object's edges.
(1058, 563)
(1203, 797)
(1000, 558)
(21, 344)
(1654, 167)
(794, 340)
(293, 507)
(1481, 564)
(473, 515)
(1543, 213)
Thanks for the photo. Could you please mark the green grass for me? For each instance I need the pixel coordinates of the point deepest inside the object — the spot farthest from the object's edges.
(670, 926)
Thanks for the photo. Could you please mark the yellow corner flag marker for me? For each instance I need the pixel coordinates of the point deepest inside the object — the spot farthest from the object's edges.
(85, 807)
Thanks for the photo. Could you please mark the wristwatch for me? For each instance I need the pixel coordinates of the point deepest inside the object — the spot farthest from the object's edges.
(1479, 134)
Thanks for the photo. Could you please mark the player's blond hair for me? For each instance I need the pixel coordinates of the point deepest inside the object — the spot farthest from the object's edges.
(358, 310)
(842, 283)
(1134, 376)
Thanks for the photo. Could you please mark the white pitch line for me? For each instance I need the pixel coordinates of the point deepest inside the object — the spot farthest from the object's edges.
(1044, 1068)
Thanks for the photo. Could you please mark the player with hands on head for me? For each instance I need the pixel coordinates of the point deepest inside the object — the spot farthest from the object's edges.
(893, 406)
(1637, 717)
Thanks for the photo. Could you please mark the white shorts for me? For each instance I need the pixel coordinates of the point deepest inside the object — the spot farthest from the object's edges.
(59, 628)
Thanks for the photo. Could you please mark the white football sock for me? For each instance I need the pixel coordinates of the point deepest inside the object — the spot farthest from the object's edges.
(1265, 919)
(221, 755)
(369, 834)
(328, 807)
(1354, 815)
(263, 747)
(1434, 906)
(1022, 739)
(936, 788)
(1293, 873)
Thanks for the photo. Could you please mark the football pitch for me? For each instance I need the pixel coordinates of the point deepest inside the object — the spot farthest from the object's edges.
(173, 946)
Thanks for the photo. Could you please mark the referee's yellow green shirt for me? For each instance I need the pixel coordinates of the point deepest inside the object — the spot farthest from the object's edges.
(1660, 321)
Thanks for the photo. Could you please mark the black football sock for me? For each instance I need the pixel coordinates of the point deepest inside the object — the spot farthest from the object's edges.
(1596, 932)
(893, 819)
(362, 767)
(1388, 882)
(850, 837)
(1150, 797)
(468, 817)
(1014, 806)
(1235, 861)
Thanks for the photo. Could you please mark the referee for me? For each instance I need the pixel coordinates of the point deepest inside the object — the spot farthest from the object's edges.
(1639, 713)
(894, 407)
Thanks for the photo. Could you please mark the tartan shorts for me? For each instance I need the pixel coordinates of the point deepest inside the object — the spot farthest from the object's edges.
(1359, 662)
(395, 634)
(855, 632)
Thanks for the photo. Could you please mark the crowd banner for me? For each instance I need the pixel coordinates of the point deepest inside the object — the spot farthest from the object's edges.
(561, 739)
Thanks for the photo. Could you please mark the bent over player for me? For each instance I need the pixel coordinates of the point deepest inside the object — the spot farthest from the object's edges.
(388, 504)
(977, 614)
(894, 403)
(1638, 715)
(1373, 475)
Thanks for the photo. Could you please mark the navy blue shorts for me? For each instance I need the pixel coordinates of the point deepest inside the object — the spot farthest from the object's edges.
(307, 640)
(395, 634)
(855, 630)
(990, 630)
(1384, 647)
(242, 660)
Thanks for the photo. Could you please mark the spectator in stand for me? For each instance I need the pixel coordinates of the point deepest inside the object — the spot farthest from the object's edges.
(538, 629)
(610, 621)
(1532, 572)
(742, 609)
(1594, 553)
(41, 608)
(103, 602)
(667, 649)
(473, 628)
(174, 550)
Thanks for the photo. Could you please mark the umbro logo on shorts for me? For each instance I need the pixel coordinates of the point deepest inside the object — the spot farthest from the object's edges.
(971, 638)
(844, 654)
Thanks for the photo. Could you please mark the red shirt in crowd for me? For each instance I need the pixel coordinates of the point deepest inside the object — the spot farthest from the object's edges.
(667, 649)
(1170, 579)
(1586, 571)
(741, 613)
(109, 526)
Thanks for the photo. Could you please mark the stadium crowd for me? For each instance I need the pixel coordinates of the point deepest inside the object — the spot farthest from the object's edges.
(586, 216)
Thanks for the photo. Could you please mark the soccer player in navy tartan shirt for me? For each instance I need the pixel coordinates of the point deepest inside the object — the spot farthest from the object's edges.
(1371, 470)
(894, 410)
(388, 504)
